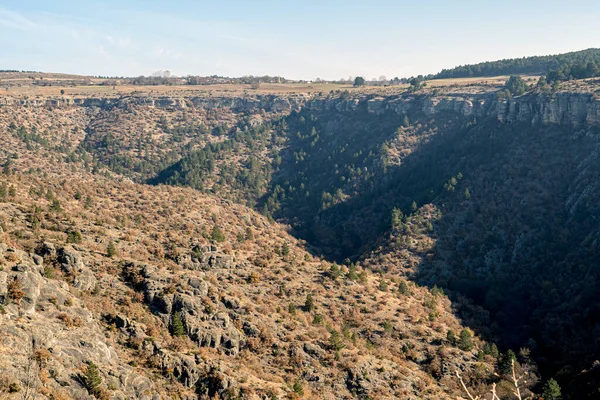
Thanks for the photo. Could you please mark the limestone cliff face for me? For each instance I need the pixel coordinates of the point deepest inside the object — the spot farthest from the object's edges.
(573, 109)
(238, 104)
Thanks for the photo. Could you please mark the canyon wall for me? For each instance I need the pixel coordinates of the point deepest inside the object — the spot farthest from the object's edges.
(574, 109)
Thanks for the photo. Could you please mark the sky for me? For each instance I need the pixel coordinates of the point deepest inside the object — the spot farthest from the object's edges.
(328, 39)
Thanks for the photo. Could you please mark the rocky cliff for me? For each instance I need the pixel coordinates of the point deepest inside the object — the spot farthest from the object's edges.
(573, 109)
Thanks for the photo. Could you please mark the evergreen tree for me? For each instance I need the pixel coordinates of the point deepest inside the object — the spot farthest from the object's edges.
(516, 85)
(336, 341)
(352, 275)
(551, 390)
(92, 379)
(405, 121)
(403, 288)
(111, 249)
(177, 327)
(451, 337)
(397, 217)
(465, 341)
(413, 206)
(359, 81)
(285, 249)
(505, 365)
(334, 271)
(309, 304)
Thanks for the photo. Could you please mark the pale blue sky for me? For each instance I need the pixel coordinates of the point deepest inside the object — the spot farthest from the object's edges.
(307, 39)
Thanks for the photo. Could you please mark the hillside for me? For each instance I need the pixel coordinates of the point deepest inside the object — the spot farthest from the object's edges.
(577, 64)
(95, 270)
(393, 225)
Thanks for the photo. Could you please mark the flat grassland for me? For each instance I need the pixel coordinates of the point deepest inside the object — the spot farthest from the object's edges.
(22, 84)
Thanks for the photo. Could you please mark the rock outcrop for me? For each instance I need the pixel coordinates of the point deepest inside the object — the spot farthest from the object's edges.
(52, 334)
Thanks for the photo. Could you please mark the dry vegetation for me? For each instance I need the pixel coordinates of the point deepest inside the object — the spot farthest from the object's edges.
(399, 337)
(198, 296)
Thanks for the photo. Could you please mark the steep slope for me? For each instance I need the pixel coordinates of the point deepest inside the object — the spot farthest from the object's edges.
(176, 295)
(492, 199)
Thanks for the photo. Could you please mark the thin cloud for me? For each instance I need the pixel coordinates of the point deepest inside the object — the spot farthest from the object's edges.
(11, 19)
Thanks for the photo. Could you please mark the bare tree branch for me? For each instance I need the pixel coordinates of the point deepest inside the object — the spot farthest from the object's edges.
(517, 391)
(465, 387)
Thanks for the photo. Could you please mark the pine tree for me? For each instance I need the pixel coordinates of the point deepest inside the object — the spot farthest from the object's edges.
(405, 121)
(551, 390)
(336, 341)
(334, 271)
(309, 304)
(465, 341)
(285, 249)
(505, 366)
(516, 85)
(111, 249)
(403, 288)
(451, 337)
(352, 275)
(92, 379)
(177, 327)
(397, 217)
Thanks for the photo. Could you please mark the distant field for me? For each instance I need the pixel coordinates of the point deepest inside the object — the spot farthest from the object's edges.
(90, 90)
(22, 86)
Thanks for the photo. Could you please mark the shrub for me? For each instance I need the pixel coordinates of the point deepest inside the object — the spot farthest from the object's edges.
(217, 234)
(298, 389)
(48, 272)
(74, 237)
(55, 206)
(15, 291)
(14, 388)
(292, 309)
